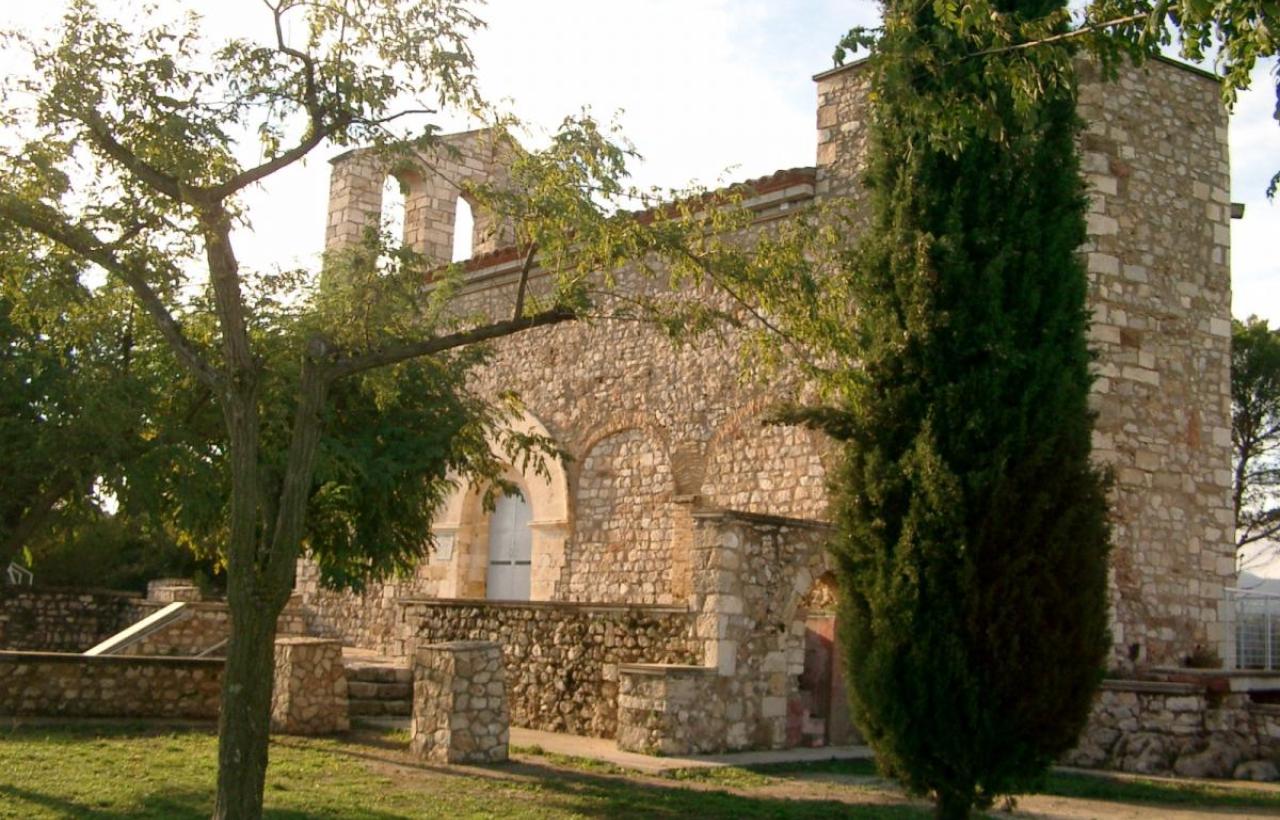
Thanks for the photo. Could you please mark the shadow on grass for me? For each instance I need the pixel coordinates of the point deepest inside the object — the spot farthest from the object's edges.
(602, 796)
(165, 805)
(168, 805)
(580, 793)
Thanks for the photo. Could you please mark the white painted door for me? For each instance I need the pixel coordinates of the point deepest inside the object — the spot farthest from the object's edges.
(510, 551)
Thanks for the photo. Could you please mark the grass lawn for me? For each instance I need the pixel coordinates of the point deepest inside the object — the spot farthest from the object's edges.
(117, 772)
(135, 771)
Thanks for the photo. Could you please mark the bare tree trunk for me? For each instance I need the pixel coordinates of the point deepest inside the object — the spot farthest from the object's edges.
(259, 580)
(244, 722)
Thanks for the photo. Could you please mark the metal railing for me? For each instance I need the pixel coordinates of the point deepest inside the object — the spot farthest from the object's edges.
(17, 575)
(1257, 628)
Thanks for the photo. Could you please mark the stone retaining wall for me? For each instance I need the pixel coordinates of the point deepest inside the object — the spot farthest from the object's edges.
(1191, 729)
(561, 659)
(47, 619)
(202, 629)
(64, 685)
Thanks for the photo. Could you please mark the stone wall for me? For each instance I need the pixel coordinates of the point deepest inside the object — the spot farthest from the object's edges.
(649, 423)
(369, 620)
(622, 538)
(63, 620)
(1191, 729)
(561, 659)
(168, 590)
(1155, 157)
(751, 573)
(662, 709)
(202, 628)
(65, 685)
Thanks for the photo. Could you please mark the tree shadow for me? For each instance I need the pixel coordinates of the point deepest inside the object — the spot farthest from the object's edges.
(167, 805)
(578, 793)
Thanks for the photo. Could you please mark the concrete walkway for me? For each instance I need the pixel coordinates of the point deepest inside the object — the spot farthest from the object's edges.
(607, 751)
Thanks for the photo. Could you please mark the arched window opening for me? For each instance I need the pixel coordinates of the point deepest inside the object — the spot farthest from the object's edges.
(393, 209)
(463, 227)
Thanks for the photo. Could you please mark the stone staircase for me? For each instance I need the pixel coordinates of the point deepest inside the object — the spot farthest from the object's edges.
(379, 687)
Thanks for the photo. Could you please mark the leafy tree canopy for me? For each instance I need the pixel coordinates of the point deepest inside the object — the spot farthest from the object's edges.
(1255, 430)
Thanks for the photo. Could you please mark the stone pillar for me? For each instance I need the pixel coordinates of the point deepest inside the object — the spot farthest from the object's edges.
(310, 694)
(460, 703)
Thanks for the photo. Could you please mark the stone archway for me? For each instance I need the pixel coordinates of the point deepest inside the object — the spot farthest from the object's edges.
(465, 526)
(818, 709)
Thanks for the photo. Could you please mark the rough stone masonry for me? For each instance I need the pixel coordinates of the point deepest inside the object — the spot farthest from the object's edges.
(663, 435)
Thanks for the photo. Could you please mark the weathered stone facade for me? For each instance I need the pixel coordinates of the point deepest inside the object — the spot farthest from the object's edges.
(309, 696)
(52, 684)
(562, 660)
(677, 496)
(460, 703)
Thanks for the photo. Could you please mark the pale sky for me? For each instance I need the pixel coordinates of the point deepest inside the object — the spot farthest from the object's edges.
(709, 90)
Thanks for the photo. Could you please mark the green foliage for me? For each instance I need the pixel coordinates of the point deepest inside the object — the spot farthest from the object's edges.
(973, 531)
(112, 552)
(86, 390)
(1255, 429)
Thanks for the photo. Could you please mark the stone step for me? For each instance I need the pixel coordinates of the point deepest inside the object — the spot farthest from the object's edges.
(369, 690)
(379, 708)
(378, 673)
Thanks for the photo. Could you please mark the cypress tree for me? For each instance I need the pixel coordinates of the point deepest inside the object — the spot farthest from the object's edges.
(972, 527)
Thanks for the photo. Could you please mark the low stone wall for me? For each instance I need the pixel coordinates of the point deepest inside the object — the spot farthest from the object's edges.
(561, 659)
(64, 685)
(1197, 728)
(662, 708)
(47, 619)
(202, 629)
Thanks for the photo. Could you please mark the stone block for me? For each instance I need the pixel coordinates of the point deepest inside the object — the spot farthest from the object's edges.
(310, 692)
(460, 712)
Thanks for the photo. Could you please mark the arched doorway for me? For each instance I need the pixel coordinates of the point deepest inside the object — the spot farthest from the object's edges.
(510, 550)
(818, 714)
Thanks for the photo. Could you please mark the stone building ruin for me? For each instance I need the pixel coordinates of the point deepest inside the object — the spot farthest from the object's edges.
(668, 585)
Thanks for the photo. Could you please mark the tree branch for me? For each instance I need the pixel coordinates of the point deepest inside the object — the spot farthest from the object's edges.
(100, 134)
(84, 242)
(439, 344)
(524, 280)
(1068, 35)
(317, 127)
